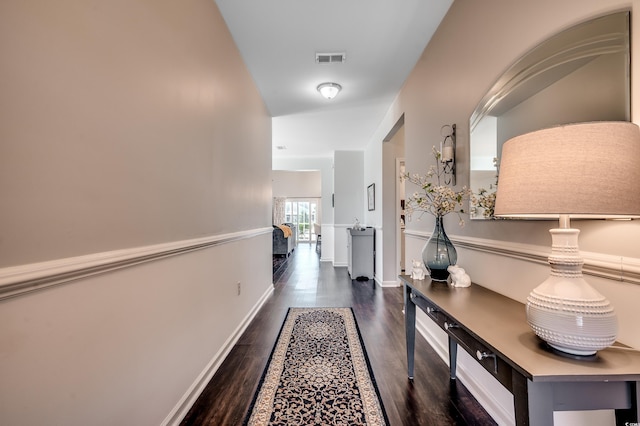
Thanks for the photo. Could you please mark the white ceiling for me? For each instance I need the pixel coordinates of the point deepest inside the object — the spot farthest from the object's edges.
(278, 40)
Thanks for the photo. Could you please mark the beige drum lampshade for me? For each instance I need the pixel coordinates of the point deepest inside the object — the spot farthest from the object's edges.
(586, 170)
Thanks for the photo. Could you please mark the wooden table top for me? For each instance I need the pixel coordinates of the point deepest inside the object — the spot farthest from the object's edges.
(501, 323)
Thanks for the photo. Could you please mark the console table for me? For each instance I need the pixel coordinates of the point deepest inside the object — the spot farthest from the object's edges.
(494, 330)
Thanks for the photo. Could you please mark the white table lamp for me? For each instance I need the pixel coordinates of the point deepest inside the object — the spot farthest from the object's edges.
(584, 171)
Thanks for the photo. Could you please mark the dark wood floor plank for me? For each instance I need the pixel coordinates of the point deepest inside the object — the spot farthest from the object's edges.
(431, 399)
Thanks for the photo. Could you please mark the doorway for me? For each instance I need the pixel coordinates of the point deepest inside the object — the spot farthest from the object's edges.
(392, 212)
(400, 217)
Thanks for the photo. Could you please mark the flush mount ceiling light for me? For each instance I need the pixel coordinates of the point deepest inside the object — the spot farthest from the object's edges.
(329, 90)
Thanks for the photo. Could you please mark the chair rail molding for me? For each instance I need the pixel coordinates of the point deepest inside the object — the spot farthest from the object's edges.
(617, 268)
(18, 280)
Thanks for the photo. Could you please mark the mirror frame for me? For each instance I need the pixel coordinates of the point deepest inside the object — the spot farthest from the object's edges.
(549, 62)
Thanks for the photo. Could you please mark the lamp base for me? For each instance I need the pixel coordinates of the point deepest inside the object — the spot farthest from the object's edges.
(565, 311)
(571, 351)
(580, 325)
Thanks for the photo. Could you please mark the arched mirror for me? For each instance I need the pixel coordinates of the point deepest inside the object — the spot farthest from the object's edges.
(581, 74)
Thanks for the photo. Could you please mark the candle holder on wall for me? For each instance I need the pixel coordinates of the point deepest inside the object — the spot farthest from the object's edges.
(448, 153)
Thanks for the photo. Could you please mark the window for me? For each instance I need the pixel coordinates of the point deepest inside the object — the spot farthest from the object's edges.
(303, 214)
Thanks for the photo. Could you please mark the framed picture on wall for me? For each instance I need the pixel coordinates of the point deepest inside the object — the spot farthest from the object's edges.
(371, 196)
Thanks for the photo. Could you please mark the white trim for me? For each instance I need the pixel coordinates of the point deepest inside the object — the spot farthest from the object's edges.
(480, 392)
(342, 225)
(183, 406)
(399, 212)
(618, 268)
(396, 283)
(18, 280)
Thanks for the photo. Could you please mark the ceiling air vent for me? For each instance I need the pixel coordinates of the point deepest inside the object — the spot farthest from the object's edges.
(330, 58)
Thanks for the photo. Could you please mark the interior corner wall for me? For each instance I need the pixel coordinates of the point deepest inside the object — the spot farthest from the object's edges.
(373, 171)
(391, 151)
(127, 128)
(473, 46)
(350, 202)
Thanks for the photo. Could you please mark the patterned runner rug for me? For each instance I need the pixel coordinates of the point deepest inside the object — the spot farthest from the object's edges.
(318, 374)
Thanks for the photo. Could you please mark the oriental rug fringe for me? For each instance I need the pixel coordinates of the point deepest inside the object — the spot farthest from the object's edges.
(318, 374)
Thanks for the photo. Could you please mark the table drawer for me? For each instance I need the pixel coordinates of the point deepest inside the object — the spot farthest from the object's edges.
(430, 309)
(491, 361)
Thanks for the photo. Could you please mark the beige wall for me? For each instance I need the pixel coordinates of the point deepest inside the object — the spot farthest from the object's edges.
(126, 128)
(475, 43)
(297, 184)
(120, 128)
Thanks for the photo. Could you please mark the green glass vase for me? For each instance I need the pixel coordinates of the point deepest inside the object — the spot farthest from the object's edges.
(439, 253)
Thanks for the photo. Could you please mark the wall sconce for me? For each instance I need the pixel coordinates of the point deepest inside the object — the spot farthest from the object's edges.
(448, 153)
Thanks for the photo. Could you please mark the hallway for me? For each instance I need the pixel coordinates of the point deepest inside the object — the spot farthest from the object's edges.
(430, 400)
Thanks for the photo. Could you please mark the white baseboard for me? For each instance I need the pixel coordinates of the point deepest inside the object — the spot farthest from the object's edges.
(189, 398)
(382, 283)
(484, 397)
(477, 388)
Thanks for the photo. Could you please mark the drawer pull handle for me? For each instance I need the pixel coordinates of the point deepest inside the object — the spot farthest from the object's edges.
(449, 325)
(484, 355)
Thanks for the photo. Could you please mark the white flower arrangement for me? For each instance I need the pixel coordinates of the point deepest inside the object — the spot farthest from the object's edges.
(435, 199)
(486, 198)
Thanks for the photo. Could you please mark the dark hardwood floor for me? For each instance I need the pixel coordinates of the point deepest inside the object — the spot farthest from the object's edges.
(431, 399)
